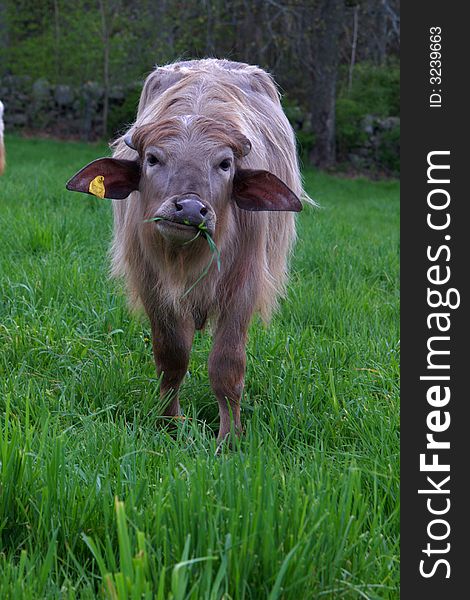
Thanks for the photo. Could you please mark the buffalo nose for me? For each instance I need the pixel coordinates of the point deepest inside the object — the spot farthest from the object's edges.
(190, 210)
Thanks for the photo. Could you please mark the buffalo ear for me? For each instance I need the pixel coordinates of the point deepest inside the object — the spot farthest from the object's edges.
(112, 178)
(261, 190)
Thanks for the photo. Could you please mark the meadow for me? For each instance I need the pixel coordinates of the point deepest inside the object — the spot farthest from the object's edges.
(98, 500)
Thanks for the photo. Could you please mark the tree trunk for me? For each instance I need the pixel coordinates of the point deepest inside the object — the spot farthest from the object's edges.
(325, 54)
(4, 41)
(381, 23)
(57, 42)
(106, 86)
(353, 48)
(375, 31)
(108, 11)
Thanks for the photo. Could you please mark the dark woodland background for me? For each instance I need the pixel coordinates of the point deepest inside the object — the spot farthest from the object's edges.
(74, 68)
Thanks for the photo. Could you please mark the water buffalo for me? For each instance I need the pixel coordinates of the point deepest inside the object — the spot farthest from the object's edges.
(211, 152)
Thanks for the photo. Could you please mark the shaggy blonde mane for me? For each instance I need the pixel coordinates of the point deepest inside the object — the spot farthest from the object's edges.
(216, 98)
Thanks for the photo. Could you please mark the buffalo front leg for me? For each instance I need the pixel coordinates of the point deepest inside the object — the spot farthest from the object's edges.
(171, 348)
(227, 363)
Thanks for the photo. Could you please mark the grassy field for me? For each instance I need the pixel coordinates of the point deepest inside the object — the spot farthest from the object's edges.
(96, 499)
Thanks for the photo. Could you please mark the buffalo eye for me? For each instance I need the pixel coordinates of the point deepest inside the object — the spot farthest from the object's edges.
(225, 164)
(152, 160)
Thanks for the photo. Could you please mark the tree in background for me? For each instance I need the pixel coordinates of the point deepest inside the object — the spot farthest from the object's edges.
(317, 30)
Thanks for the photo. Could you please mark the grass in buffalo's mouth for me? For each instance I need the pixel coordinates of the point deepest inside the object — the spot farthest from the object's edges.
(154, 219)
(214, 254)
(202, 230)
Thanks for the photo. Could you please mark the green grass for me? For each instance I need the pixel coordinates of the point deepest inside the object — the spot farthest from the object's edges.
(97, 500)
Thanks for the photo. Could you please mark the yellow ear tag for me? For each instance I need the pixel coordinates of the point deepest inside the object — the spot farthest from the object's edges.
(96, 186)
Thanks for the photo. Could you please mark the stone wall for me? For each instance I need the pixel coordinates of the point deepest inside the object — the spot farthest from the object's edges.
(380, 145)
(64, 110)
(77, 112)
